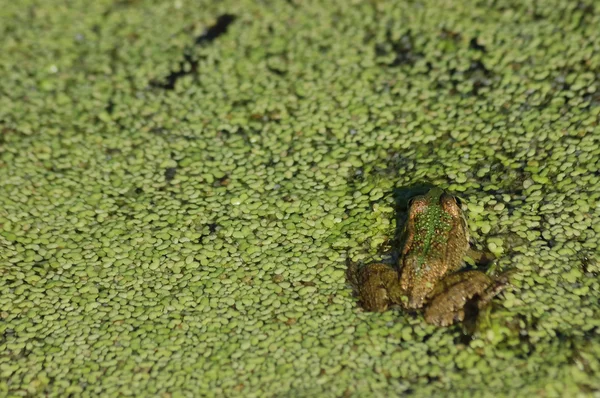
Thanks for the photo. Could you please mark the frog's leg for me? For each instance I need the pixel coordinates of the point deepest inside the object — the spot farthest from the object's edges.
(480, 257)
(379, 287)
(453, 294)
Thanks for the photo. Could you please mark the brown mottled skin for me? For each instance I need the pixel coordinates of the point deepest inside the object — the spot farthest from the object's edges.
(435, 241)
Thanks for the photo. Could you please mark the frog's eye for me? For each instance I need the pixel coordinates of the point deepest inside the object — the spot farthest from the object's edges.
(417, 205)
(460, 202)
(412, 202)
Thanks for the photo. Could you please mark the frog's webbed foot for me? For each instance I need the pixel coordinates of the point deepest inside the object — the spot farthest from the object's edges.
(499, 283)
(457, 295)
(379, 287)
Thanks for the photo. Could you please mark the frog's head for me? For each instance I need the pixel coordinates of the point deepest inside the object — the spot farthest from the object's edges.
(434, 194)
(426, 207)
(437, 198)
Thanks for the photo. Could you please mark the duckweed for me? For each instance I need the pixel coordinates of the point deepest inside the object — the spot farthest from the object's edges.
(181, 184)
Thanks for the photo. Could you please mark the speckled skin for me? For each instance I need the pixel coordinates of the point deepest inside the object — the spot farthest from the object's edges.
(435, 241)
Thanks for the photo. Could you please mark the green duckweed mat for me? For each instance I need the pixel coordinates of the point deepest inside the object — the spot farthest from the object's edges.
(182, 183)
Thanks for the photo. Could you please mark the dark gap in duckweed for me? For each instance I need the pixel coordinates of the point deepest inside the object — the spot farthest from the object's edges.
(112, 151)
(587, 12)
(241, 103)
(447, 34)
(213, 227)
(403, 49)
(170, 173)
(277, 71)
(480, 75)
(189, 65)
(216, 30)
(593, 98)
(588, 263)
(474, 45)
(222, 182)
(159, 131)
(576, 343)
(477, 73)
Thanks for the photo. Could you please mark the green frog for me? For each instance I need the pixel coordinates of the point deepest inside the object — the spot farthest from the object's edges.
(434, 242)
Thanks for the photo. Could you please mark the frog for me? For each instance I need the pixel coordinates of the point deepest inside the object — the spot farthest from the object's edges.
(430, 273)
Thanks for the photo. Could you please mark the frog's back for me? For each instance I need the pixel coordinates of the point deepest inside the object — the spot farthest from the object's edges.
(436, 240)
